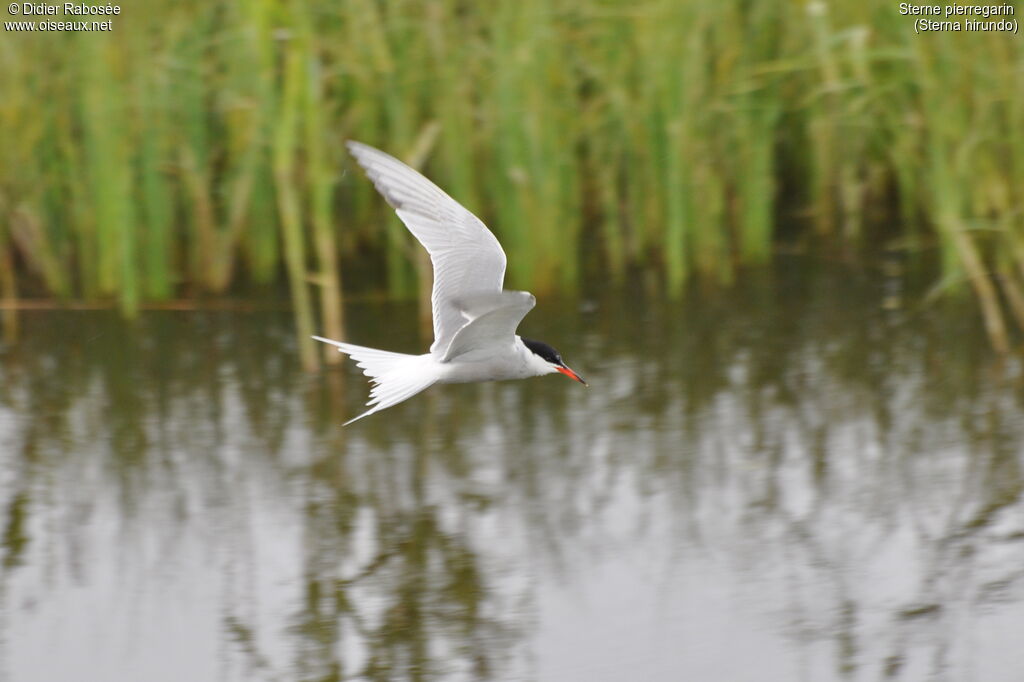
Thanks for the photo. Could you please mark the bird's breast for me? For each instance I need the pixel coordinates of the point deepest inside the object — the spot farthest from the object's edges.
(493, 368)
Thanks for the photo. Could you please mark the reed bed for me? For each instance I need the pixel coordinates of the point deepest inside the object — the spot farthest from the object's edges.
(198, 147)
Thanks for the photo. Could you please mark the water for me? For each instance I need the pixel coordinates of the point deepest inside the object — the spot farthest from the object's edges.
(802, 479)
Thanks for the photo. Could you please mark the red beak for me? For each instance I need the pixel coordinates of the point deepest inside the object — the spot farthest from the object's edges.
(571, 374)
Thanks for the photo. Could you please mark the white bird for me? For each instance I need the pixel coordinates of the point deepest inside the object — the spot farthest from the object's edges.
(474, 319)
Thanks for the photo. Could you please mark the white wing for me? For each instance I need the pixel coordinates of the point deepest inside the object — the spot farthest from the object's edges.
(493, 319)
(467, 258)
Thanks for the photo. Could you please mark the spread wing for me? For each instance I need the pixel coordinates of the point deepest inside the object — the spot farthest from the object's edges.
(467, 258)
(493, 319)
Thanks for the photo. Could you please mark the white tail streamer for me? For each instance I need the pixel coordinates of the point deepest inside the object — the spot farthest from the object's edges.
(395, 376)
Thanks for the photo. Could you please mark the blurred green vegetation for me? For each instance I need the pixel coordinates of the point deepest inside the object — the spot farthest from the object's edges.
(199, 145)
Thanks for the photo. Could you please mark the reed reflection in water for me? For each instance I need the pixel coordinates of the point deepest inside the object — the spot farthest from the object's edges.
(786, 481)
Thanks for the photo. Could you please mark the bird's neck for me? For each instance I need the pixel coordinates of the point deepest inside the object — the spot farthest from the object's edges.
(536, 365)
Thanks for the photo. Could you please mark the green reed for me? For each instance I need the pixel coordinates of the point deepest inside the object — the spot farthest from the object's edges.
(198, 147)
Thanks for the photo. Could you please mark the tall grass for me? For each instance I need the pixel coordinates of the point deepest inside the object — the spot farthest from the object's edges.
(199, 145)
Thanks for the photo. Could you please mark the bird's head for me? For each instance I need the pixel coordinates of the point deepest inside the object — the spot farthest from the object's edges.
(546, 360)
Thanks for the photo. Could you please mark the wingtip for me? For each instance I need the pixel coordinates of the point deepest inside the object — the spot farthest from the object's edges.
(366, 156)
(355, 147)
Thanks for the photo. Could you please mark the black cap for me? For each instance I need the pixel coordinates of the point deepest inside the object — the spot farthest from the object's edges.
(543, 350)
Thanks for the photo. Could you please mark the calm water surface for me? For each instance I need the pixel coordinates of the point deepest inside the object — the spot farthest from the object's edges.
(799, 480)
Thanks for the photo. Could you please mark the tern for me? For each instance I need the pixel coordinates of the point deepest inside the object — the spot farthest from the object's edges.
(475, 320)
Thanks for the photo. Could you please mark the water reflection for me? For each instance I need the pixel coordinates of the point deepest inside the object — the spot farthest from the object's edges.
(785, 481)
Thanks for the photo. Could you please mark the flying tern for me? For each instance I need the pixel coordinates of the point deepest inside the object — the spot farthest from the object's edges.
(475, 320)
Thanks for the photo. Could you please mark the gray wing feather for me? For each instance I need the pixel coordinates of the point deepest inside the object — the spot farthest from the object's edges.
(467, 258)
(493, 319)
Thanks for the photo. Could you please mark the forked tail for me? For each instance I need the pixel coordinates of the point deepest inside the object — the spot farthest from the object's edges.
(395, 376)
